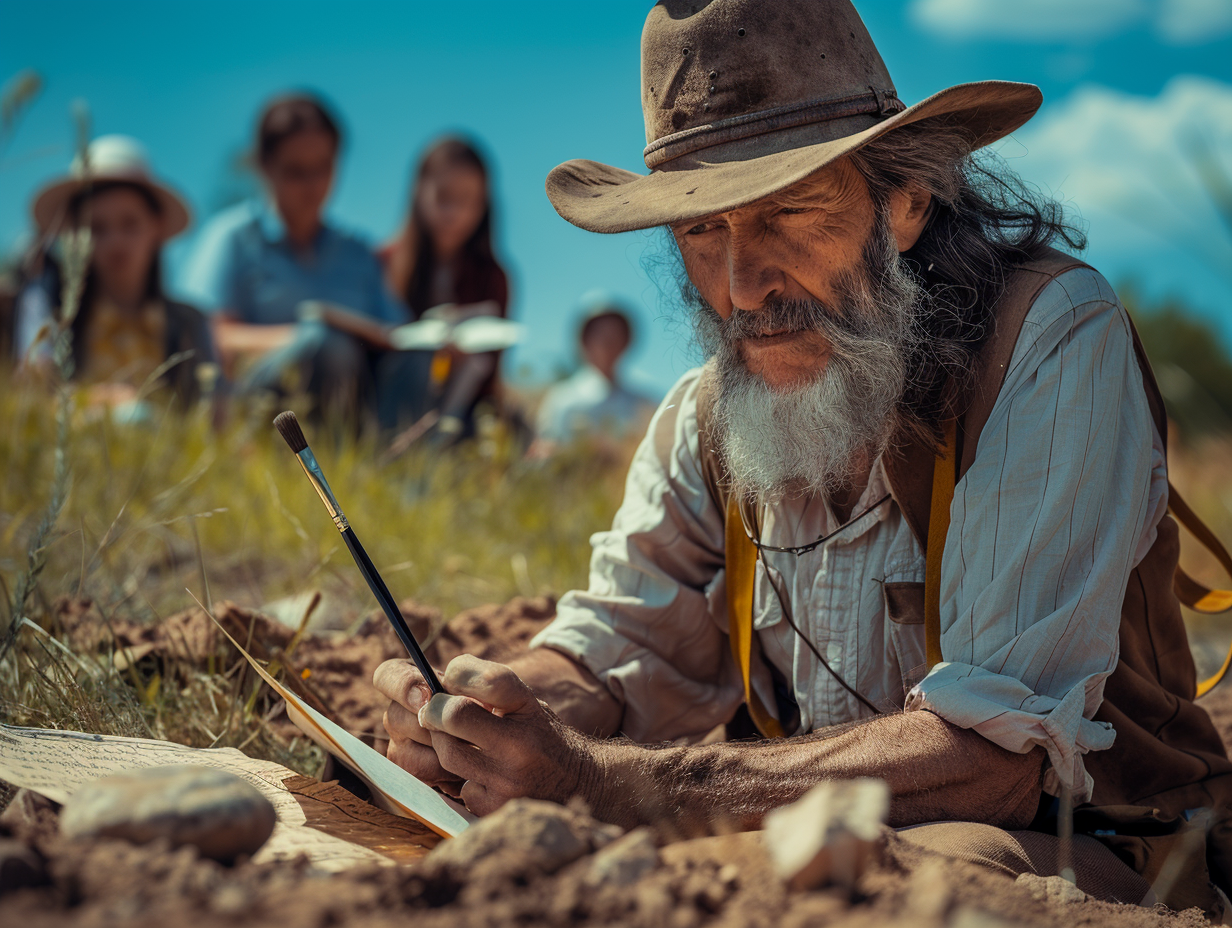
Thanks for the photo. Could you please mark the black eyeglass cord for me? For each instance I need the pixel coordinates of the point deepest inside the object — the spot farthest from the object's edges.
(786, 612)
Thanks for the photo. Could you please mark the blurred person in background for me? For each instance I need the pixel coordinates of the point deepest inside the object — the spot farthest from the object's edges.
(302, 302)
(126, 331)
(442, 265)
(593, 403)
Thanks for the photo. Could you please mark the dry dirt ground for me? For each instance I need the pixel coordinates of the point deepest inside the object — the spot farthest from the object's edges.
(721, 880)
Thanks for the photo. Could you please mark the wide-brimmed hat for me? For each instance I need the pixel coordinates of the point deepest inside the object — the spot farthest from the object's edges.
(109, 159)
(743, 98)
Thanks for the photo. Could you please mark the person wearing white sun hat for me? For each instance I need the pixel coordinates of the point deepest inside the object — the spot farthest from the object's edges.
(126, 328)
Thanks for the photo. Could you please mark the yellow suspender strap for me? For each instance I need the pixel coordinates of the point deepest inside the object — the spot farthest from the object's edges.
(944, 478)
(741, 562)
(740, 555)
(1192, 593)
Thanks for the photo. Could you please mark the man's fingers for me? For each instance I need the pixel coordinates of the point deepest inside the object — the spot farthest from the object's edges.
(462, 717)
(460, 758)
(479, 799)
(401, 681)
(421, 761)
(402, 723)
(492, 684)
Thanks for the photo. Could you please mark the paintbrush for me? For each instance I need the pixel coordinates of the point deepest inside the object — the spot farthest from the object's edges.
(288, 428)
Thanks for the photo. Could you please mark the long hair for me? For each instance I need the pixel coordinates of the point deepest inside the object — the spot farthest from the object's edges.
(412, 262)
(984, 221)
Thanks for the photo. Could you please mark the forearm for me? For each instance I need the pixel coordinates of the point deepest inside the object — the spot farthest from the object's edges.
(241, 338)
(935, 772)
(571, 691)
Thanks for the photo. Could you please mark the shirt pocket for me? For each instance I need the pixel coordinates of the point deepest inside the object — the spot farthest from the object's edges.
(904, 607)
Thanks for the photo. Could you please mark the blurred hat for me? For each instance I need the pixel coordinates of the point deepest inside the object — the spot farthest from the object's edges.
(111, 158)
(602, 304)
(743, 98)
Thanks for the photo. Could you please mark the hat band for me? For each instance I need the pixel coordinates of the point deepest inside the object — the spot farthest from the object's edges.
(669, 147)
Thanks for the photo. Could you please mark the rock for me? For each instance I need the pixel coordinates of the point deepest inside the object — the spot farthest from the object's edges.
(523, 836)
(211, 810)
(830, 835)
(1051, 888)
(20, 866)
(625, 861)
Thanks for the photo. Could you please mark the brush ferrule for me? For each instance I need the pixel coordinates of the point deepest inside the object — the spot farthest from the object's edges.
(308, 462)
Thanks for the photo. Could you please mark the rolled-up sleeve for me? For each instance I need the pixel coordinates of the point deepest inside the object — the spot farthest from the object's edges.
(646, 626)
(1063, 497)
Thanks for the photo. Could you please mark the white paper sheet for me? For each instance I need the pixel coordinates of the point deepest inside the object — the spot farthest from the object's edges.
(393, 788)
(56, 764)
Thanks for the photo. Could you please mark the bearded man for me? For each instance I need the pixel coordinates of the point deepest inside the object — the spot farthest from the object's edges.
(912, 514)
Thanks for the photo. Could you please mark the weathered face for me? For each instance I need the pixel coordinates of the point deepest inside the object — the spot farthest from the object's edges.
(812, 319)
(791, 246)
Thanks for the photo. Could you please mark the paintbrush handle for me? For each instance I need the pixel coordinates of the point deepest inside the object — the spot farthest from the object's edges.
(392, 612)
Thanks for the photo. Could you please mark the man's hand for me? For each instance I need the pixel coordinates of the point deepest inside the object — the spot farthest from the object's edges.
(410, 746)
(488, 739)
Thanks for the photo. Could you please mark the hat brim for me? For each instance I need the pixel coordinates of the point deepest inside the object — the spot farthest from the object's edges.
(51, 204)
(602, 198)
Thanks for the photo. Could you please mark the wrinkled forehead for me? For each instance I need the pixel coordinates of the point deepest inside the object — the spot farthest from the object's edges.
(837, 188)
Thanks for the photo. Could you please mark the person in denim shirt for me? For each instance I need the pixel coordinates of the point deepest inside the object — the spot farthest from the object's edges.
(274, 276)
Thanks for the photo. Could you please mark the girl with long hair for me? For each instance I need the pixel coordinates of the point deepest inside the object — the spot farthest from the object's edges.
(442, 263)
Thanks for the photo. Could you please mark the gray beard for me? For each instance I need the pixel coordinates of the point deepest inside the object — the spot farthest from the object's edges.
(817, 437)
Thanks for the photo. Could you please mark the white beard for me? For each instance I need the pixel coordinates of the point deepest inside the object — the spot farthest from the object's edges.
(816, 438)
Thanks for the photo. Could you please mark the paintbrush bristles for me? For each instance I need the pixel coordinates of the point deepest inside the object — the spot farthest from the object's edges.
(288, 427)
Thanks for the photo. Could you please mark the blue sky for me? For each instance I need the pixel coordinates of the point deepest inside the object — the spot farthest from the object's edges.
(1126, 84)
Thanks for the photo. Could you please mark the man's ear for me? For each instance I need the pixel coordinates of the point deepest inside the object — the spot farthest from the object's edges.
(909, 211)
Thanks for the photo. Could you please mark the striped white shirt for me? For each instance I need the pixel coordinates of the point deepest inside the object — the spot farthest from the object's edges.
(1067, 487)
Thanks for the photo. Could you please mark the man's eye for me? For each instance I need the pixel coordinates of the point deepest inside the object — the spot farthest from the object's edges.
(700, 229)
(794, 210)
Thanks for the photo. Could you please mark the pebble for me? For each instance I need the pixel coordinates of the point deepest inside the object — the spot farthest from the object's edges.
(1051, 888)
(524, 836)
(625, 861)
(210, 809)
(830, 835)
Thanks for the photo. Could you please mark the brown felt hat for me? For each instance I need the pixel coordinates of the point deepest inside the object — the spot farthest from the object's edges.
(743, 98)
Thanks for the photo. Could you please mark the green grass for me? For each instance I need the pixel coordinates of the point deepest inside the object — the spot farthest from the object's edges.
(173, 504)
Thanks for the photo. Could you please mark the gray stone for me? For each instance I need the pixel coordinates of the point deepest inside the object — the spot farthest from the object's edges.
(523, 836)
(209, 809)
(625, 861)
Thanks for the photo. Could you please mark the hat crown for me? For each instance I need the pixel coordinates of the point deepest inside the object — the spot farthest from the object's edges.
(706, 63)
(113, 156)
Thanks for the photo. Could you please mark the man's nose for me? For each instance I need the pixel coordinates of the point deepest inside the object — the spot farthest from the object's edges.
(754, 278)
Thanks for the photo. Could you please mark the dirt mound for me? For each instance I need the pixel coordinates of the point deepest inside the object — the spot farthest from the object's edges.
(722, 880)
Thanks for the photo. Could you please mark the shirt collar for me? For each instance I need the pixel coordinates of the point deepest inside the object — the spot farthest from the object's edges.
(272, 228)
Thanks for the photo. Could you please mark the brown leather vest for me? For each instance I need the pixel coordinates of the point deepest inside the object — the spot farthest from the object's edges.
(1167, 755)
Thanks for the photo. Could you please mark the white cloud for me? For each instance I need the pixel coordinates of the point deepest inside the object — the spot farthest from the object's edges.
(1189, 22)
(1125, 163)
(1178, 22)
(1027, 20)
